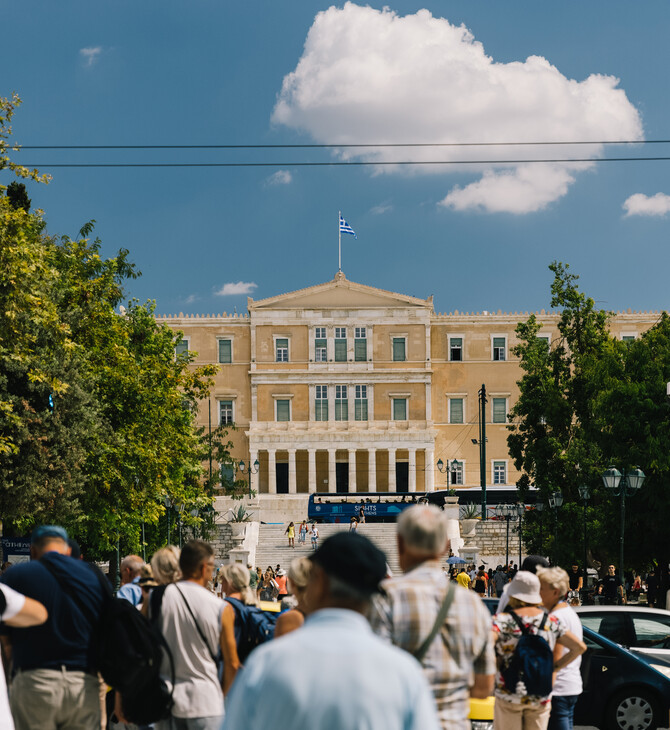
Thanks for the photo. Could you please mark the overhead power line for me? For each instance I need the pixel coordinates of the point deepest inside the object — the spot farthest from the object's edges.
(335, 163)
(331, 146)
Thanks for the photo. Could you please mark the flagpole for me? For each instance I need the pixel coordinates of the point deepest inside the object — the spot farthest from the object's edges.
(339, 241)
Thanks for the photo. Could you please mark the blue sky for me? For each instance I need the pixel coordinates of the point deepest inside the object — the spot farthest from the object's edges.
(475, 236)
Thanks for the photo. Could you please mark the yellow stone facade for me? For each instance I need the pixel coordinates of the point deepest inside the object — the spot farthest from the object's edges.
(343, 387)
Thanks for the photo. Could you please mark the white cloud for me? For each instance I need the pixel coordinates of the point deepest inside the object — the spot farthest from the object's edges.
(381, 209)
(90, 55)
(639, 204)
(191, 298)
(281, 177)
(235, 289)
(369, 75)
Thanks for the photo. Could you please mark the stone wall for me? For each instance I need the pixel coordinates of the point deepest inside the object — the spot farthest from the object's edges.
(488, 543)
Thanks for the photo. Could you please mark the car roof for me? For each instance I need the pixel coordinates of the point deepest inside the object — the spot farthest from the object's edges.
(625, 609)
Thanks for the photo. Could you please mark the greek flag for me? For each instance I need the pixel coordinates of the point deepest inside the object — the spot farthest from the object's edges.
(346, 228)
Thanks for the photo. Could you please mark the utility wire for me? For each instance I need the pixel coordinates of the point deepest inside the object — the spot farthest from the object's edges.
(354, 163)
(327, 146)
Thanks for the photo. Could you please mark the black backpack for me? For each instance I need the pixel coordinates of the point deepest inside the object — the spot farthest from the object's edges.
(532, 662)
(128, 651)
(256, 627)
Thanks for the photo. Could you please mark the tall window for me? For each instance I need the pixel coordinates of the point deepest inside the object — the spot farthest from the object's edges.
(225, 351)
(499, 348)
(227, 475)
(455, 410)
(225, 412)
(360, 344)
(456, 473)
(455, 349)
(400, 409)
(399, 354)
(321, 403)
(281, 350)
(499, 472)
(283, 410)
(181, 348)
(341, 403)
(499, 410)
(320, 345)
(340, 344)
(361, 403)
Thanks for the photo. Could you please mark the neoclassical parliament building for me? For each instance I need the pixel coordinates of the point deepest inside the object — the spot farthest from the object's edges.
(343, 387)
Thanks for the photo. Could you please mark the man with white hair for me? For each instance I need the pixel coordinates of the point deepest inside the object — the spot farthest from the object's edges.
(459, 659)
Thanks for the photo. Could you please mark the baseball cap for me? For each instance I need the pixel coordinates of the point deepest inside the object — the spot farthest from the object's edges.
(43, 531)
(353, 559)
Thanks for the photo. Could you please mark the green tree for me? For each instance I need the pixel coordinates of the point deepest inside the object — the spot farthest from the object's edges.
(586, 402)
(97, 414)
(18, 195)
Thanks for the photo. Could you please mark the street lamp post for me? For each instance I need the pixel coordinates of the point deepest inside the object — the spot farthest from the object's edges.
(168, 504)
(506, 512)
(585, 494)
(555, 501)
(253, 469)
(623, 485)
(194, 513)
(539, 506)
(520, 510)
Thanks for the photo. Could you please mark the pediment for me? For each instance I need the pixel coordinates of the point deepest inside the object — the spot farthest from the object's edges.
(340, 293)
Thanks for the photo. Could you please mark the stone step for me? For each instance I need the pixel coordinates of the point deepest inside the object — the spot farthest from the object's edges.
(273, 543)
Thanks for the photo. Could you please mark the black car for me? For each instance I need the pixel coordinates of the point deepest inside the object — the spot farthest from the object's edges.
(622, 690)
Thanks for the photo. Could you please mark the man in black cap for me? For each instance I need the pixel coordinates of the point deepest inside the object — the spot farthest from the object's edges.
(54, 683)
(354, 679)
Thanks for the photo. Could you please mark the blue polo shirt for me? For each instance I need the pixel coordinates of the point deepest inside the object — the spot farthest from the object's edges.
(65, 638)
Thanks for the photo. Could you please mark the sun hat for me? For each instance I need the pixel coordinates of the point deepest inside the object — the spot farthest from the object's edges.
(525, 586)
(281, 572)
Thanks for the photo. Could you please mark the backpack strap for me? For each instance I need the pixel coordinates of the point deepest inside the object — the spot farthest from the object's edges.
(524, 628)
(420, 653)
(215, 659)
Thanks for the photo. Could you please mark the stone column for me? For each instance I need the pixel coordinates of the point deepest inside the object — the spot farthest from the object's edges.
(430, 470)
(372, 470)
(332, 476)
(392, 481)
(272, 472)
(352, 470)
(412, 470)
(311, 470)
(291, 472)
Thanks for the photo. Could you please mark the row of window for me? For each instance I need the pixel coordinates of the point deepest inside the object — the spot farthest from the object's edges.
(399, 408)
(340, 347)
(360, 350)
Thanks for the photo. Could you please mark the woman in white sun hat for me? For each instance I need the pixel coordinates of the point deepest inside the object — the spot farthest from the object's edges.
(522, 706)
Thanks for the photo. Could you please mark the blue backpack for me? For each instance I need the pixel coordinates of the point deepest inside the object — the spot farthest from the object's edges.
(532, 662)
(253, 627)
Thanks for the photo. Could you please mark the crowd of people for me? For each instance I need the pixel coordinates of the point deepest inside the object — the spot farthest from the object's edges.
(377, 652)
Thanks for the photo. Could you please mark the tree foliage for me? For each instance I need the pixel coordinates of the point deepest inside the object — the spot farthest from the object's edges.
(587, 401)
(97, 414)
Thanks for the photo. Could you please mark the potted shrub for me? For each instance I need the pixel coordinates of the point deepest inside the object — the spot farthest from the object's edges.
(469, 517)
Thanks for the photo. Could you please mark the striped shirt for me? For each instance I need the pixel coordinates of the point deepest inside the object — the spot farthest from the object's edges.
(405, 615)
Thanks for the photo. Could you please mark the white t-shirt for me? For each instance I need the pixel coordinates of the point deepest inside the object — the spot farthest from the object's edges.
(569, 679)
(14, 603)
